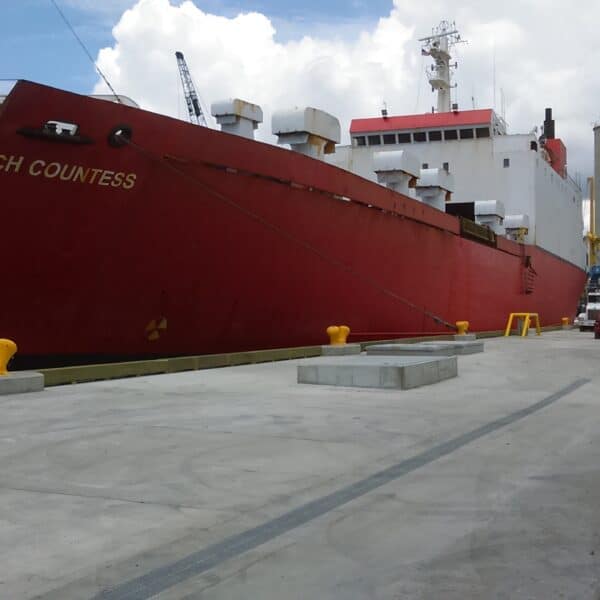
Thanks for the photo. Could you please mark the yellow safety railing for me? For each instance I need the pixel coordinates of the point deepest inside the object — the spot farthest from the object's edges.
(528, 317)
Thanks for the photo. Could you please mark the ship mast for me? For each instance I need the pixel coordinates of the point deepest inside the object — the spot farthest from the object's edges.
(438, 46)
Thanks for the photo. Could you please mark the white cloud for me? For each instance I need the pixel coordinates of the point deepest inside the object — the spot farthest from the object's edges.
(544, 52)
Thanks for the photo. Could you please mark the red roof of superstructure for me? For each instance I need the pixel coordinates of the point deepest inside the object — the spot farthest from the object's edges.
(427, 120)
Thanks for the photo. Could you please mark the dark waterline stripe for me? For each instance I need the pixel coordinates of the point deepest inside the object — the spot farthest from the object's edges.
(163, 578)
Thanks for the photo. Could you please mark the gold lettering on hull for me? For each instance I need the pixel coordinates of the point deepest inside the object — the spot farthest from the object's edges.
(36, 167)
(11, 163)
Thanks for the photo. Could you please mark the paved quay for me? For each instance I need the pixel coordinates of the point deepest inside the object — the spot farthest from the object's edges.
(239, 483)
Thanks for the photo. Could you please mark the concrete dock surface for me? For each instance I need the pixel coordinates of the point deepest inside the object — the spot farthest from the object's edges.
(239, 483)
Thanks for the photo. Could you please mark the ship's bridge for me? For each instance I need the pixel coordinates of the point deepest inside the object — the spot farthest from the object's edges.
(428, 127)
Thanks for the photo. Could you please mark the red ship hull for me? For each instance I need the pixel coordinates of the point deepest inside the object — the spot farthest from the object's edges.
(193, 241)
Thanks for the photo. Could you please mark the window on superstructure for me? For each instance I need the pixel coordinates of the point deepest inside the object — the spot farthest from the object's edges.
(466, 134)
(404, 138)
(389, 138)
(446, 167)
(506, 163)
(374, 140)
(450, 134)
(482, 132)
(420, 136)
(435, 136)
(425, 166)
(360, 140)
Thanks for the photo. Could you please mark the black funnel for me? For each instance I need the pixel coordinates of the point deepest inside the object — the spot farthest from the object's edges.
(549, 132)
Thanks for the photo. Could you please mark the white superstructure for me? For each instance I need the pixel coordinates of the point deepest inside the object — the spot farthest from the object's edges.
(524, 173)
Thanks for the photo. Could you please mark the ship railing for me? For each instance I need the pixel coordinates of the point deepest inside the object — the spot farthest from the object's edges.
(503, 125)
(6, 85)
(117, 99)
(574, 183)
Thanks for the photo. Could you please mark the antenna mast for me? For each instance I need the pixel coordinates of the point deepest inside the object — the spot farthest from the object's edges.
(438, 45)
(191, 98)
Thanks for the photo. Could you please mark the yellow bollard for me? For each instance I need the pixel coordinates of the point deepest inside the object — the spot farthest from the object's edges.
(338, 334)
(565, 321)
(462, 327)
(7, 350)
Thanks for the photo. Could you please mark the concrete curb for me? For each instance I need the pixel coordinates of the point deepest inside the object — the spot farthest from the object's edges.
(101, 372)
(21, 382)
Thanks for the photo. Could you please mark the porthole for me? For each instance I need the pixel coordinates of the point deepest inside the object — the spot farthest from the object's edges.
(120, 135)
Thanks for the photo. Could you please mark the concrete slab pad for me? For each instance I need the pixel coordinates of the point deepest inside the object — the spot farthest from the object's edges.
(344, 350)
(420, 349)
(19, 382)
(398, 372)
(437, 348)
(462, 346)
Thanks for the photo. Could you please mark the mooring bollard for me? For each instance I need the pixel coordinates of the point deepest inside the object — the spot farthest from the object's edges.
(338, 334)
(7, 351)
(462, 327)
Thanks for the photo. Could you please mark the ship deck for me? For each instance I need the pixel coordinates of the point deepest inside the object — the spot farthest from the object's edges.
(238, 483)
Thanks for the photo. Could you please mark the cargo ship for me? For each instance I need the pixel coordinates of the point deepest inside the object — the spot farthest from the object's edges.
(130, 234)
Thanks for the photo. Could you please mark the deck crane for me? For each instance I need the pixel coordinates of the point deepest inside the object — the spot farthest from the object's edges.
(191, 98)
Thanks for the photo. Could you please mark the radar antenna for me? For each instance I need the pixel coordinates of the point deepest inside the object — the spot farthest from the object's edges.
(438, 45)
(191, 98)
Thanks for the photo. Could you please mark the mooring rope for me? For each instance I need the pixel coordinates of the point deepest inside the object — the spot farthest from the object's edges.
(167, 161)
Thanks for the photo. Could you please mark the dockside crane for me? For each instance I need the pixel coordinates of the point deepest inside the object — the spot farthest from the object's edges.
(191, 97)
(592, 239)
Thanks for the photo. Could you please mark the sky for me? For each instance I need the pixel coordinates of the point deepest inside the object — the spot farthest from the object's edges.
(348, 57)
